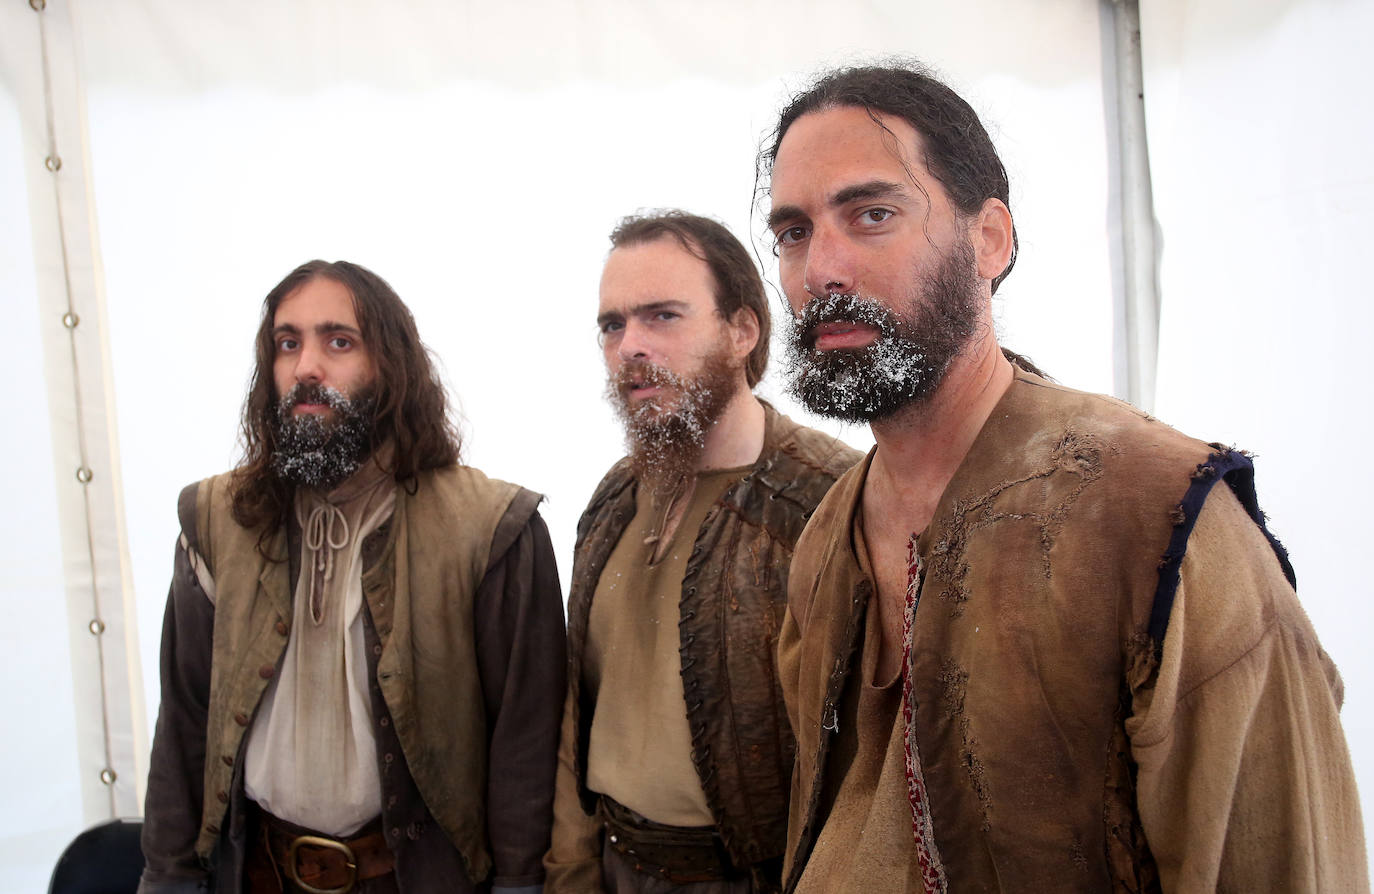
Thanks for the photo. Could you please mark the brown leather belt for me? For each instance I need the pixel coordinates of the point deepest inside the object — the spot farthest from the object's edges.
(678, 854)
(315, 863)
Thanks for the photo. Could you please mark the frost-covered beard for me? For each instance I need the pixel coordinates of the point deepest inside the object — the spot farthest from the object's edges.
(318, 452)
(666, 434)
(907, 361)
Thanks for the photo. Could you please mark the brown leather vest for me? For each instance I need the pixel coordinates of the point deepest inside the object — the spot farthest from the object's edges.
(1048, 569)
(734, 590)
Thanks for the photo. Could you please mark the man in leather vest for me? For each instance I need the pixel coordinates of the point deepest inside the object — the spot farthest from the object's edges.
(676, 755)
(363, 652)
(1037, 640)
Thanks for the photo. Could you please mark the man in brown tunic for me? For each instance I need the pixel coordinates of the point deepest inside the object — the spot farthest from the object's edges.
(1031, 644)
(676, 754)
(363, 653)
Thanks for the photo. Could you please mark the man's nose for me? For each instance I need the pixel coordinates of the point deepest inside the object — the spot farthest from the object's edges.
(634, 342)
(830, 264)
(309, 365)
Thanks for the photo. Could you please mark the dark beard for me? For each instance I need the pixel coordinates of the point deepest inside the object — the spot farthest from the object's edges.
(665, 445)
(907, 362)
(322, 453)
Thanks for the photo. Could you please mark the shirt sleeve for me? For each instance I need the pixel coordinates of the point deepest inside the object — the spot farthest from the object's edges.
(1244, 778)
(176, 775)
(573, 862)
(521, 655)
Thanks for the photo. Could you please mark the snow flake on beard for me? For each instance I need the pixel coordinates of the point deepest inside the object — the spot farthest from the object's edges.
(317, 452)
(904, 365)
(665, 442)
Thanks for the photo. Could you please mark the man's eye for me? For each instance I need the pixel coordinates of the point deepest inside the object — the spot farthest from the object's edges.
(876, 215)
(341, 343)
(791, 235)
(665, 315)
(611, 326)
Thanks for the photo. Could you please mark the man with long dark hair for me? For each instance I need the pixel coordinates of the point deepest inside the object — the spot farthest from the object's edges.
(363, 652)
(1033, 641)
(676, 754)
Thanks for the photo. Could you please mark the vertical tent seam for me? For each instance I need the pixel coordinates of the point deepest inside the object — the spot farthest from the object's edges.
(84, 473)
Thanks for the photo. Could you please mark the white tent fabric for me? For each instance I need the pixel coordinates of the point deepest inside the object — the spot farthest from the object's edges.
(477, 154)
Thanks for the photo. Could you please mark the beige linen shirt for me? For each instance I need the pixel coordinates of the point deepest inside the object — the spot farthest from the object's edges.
(312, 757)
(640, 753)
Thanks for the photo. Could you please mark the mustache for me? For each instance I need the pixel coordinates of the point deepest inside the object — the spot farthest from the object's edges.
(303, 393)
(842, 307)
(640, 373)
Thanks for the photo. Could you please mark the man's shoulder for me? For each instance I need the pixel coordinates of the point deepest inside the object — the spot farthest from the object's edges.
(199, 500)
(811, 452)
(834, 513)
(186, 507)
(1134, 479)
(216, 487)
(463, 488)
(617, 478)
(1092, 433)
(795, 469)
(459, 476)
(1091, 412)
(801, 468)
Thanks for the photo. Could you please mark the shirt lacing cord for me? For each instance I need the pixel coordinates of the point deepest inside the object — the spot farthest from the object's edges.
(325, 532)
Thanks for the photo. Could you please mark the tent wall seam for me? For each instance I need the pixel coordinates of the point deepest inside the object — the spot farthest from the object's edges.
(84, 472)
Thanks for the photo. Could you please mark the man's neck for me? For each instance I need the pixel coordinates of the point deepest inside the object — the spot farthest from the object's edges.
(922, 446)
(737, 437)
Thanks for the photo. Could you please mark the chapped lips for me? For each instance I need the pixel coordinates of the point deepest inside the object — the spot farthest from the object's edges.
(303, 395)
(843, 320)
(841, 334)
(636, 375)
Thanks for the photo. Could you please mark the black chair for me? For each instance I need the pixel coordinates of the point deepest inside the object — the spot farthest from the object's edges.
(104, 859)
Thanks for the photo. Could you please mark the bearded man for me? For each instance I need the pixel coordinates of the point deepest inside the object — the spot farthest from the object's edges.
(363, 652)
(676, 755)
(1033, 642)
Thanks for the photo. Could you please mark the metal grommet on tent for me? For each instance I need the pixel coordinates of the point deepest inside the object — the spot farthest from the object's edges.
(84, 475)
(70, 320)
(108, 776)
(38, 5)
(97, 627)
(53, 163)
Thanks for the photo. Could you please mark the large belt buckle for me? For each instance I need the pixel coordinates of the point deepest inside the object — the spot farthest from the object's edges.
(329, 844)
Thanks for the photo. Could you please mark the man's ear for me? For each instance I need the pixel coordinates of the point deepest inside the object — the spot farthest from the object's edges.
(744, 326)
(991, 236)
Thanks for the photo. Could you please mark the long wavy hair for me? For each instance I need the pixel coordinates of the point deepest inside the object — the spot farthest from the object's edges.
(411, 408)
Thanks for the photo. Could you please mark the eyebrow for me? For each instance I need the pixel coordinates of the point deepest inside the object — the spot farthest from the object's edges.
(649, 308)
(323, 328)
(872, 189)
(783, 214)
